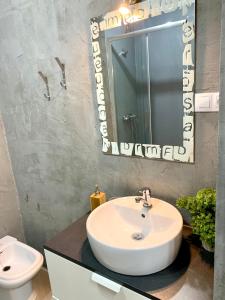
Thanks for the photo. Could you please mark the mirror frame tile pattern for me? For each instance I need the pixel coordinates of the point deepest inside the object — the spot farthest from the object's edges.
(142, 11)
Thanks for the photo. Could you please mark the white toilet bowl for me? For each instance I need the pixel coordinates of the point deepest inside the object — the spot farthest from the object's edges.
(18, 265)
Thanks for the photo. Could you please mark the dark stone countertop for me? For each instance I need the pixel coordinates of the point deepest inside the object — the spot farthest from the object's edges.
(72, 244)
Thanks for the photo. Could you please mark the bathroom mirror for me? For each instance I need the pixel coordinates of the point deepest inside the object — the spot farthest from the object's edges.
(144, 71)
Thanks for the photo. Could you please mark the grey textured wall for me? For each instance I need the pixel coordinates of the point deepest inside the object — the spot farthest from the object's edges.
(55, 146)
(10, 216)
(219, 287)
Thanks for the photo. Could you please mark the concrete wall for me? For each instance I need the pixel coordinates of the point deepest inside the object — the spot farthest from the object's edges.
(219, 287)
(55, 146)
(10, 216)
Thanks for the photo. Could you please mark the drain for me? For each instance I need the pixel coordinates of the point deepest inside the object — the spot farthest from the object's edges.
(7, 268)
(137, 236)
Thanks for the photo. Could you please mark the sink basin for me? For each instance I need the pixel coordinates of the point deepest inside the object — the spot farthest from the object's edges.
(129, 239)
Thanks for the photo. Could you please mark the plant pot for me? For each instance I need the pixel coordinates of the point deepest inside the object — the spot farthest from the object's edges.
(207, 247)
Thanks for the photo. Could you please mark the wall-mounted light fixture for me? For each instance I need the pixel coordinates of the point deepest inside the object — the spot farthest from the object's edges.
(124, 8)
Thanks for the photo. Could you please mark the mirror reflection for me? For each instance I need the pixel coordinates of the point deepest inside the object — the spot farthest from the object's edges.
(146, 85)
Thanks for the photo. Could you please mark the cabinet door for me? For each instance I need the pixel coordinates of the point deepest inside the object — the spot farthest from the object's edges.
(70, 281)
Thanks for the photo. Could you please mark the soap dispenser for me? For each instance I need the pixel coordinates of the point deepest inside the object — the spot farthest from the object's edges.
(97, 198)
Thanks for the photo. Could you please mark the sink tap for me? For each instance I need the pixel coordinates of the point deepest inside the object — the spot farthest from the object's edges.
(146, 197)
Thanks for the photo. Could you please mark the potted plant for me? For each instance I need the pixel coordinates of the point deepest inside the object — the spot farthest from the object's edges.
(202, 208)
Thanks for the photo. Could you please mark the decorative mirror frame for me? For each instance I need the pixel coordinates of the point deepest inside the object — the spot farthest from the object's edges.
(142, 11)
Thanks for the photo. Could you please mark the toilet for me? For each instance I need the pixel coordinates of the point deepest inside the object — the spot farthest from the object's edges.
(19, 263)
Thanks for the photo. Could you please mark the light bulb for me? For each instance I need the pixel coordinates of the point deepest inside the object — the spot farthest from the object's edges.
(124, 9)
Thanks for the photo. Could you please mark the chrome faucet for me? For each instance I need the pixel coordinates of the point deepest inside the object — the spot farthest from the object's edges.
(146, 197)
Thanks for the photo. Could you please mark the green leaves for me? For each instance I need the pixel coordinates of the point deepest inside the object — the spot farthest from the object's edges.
(202, 208)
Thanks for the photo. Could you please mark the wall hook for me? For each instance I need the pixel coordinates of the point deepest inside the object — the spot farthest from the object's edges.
(45, 79)
(62, 67)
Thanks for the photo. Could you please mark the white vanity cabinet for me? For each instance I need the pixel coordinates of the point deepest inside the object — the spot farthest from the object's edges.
(70, 281)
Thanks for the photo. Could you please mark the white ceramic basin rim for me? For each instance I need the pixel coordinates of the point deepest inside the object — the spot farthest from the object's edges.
(111, 228)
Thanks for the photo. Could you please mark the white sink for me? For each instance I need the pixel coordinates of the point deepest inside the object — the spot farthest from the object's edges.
(110, 230)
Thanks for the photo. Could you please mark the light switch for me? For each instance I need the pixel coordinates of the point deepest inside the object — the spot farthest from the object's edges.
(204, 101)
(207, 102)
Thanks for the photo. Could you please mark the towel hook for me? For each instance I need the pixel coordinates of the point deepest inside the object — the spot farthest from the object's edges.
(62, 67)
(45, 79)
